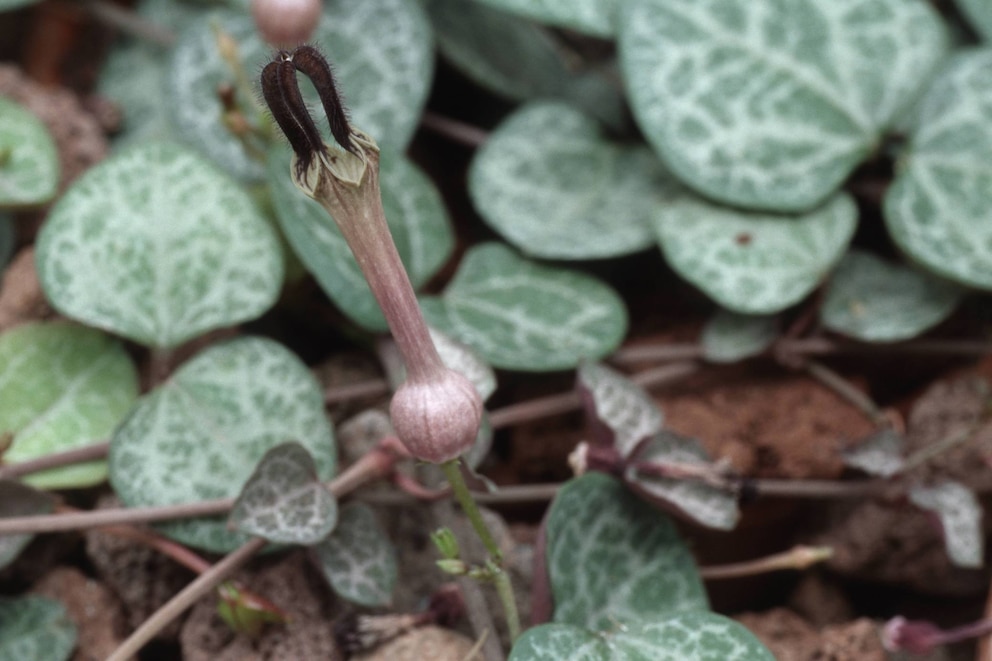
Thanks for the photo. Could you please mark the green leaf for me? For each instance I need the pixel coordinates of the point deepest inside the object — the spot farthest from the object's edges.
(593, 17)
(549, 182)
(770, 105)
(960, 516)
(750, 262)
(358, 558)
(697, 636)
(979, 13)
(35, 628)
(882, 454)
(9, 5)
(416, 216)
(624, 413)
(62, 386)
(729, 337)
(284, 501)
(29, 162)
(8, 238)
(613, 560)
(159, 246)
(142, 99)
(17, 499)
(871, 300)
(383, 59)
(522, 315)
(468, 363)
(939, 209)
(488, 45)
(708, 505)
(200, 435)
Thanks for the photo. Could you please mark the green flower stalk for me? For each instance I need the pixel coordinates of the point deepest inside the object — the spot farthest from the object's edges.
(437, 411)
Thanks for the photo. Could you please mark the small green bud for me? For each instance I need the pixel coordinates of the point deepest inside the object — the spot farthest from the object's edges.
(453, 567)
(446, 543)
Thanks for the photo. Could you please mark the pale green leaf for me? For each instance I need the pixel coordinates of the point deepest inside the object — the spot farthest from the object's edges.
(979, 13)
(881, 454)
(771, 105)
(555, 187)
(9, 5)
(526, 316)
(708, 505)
(142, 99)
(613, 560)
(729, 337)
(29, 162)
(554, 642)
(872, 300)
(750, 262)
(284, 500)
(382, 53)
(624, 413)
(939, 209)
(960, 516)
(416, 216)
(62, 386)
(158, 245)
(593, 17)
(18, 499)
(35, 629)
(200, 435)
(358, 558)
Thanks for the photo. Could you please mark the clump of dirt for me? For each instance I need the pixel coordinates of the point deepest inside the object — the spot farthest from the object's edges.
(435, 643)
(94, 610)
(790, 638)
(21, 297)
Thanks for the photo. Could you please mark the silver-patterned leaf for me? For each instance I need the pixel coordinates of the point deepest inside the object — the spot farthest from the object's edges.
(770, 105)
(872, 300)
(35, 628)
(158, 245)
(382, 52)
(749, 262)
(624, 414)
(417, 220)
(200, 434)
(979, 13)
(613, 560)
(358, 558)
(62, 386)
(729, 337)
(284, 500)
(17, 499)
(709, 505)
(464, 360)
(526, 316)
(960, 516)
(554, 186)
(29, 162)
(881, 454)
(594, 17)
(939, 209)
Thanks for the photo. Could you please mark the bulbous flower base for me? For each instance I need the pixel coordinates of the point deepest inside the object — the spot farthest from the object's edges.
(437, 419)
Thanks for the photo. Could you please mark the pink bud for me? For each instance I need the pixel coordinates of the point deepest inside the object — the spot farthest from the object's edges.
(913, 636)
(286, 23)
(437, 418)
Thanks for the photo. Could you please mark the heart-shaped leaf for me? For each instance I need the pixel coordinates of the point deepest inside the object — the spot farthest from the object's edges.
(939, 209)
(17, 499)
(142, 99)
(549, 182)
(358, 558)
(417, 220)
(697, 636)
(771, 105)
(284, 500)
(613, 560)
(729, 337)
(29, 162)
(594, 17)
(881, 454)
(7, 238)
(623, 413)
(35, 628)
(62, 386)
(159, 246)
(979, 12)
(383, 60)
(871, 300)
(749, 262)
(200, 435)
(709, 505)
(525, 316)
(960, 517)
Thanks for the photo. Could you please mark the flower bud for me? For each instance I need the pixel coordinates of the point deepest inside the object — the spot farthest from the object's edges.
(438, 418)
(286, 23)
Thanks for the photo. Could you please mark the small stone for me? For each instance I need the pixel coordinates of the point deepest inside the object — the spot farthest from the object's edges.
(432, 643)
(92, 607)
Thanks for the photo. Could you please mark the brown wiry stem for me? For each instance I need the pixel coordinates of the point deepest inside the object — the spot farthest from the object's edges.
(797, 558)
(55, 460)
(460, 132)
